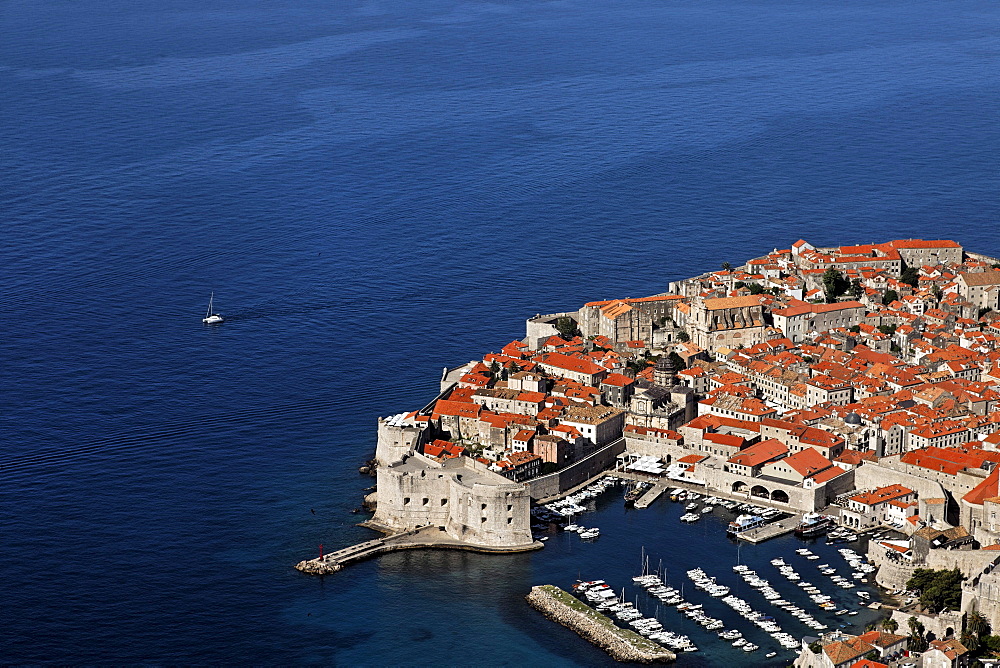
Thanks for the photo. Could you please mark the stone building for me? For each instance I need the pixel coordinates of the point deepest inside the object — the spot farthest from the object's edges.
(798, 322)
(618, 320)
(664, 404)
(461, 496)
(726, 322)
(980, 288)
(599, 425)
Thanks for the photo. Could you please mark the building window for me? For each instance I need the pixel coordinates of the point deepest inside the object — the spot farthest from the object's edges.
(510, 508)
(510, 520)
(484, 506)
(406, 501)
(444, 502)
(426, 501)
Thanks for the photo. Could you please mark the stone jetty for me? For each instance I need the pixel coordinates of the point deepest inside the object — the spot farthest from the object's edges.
(414, 539)
(621, 644)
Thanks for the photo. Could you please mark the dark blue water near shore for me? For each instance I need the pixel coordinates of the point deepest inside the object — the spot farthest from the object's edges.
(375, 190)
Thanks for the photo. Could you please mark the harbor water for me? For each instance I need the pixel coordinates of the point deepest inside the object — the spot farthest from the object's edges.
(376, 189)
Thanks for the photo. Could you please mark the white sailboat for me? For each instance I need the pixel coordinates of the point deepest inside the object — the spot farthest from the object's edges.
(212, 318)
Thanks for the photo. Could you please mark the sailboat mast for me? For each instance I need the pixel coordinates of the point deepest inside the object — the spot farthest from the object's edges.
(210, 299)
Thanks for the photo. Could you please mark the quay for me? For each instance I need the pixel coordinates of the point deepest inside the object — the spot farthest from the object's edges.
(621, 644)
(427, 537)
(772, 530)
(653, 494)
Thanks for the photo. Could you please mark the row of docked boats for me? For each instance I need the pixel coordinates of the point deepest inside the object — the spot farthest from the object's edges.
(815, 594)
(774, 597)
(603, 597)
(577, 503)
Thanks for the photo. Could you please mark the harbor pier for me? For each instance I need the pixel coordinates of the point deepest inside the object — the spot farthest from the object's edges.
(772, 530)
(428, 537)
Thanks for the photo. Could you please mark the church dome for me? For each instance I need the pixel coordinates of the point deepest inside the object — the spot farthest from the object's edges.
(853, 418)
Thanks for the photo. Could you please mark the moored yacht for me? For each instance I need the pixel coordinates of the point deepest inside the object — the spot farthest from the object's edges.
(745, 523)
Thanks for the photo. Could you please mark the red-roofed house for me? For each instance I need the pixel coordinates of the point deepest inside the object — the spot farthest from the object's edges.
(948, 653)
(798, 467)
(575, 368)
(868, 509)
(750, 461)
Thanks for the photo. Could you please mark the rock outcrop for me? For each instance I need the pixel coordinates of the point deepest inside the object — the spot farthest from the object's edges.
(317, 567)
(620, 644)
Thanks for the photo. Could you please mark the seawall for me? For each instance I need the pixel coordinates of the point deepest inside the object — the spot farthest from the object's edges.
(620, 644)
(423, 538)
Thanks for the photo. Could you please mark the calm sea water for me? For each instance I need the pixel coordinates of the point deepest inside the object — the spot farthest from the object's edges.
(375, 190)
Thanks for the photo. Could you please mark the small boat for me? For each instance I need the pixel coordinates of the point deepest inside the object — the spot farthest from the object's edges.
(212, 318)
(770, 655)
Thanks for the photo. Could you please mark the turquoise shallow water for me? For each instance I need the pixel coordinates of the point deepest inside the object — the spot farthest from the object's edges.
(375, 190)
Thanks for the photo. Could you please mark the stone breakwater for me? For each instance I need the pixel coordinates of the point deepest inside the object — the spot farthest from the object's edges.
(415, 539)
(620, 644)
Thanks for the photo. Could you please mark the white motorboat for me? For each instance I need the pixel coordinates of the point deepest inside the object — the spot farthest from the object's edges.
(212, 318)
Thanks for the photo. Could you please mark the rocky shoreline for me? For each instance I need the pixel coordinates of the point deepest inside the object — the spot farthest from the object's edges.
(621, 644)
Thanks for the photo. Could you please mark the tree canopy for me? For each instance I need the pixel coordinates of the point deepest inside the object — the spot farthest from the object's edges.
(567, 327)
(834, 284)
(938, 589)
(910, 275)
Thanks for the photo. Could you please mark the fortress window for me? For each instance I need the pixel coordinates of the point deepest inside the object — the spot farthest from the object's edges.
(406, 501)
(482, 521)
(509, 508)
(510, 520)
(426, 501)
(484, 506)
(444, 502)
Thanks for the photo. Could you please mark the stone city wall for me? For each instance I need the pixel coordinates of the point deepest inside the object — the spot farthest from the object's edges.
(577, 473)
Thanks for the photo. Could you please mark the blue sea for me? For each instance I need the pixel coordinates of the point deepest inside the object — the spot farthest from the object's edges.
(374, 190)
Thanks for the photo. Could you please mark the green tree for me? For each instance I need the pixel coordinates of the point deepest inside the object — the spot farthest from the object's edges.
(855, 328)
(890, 625)
(910, 275)
(755, 288)
(678, 361)
(834, 284)
(938, 589)
(566, 327)
(970, 640)
(494, 369)
(815, 647)
(683, 337)
(978, 624)
(726, 266)
(936, 291)
(856, 290)
(890, 296)
(917, 642)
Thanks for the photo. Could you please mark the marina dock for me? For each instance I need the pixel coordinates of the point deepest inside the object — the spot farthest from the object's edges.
(772, 530)
(653, 494)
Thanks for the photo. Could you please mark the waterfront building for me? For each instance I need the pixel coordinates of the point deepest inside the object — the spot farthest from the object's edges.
(463, 496)
(868, 509)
